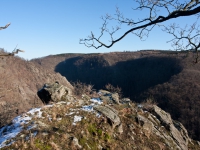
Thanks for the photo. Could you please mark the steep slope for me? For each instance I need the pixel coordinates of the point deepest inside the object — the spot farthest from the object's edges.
(20, 81)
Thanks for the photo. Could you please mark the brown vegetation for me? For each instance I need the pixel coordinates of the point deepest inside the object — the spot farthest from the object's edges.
(20, 81)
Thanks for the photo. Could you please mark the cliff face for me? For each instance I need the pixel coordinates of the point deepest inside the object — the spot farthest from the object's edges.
(20, 81)
(103, 122)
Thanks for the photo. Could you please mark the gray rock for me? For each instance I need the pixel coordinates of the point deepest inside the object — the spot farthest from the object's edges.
(110, 114)
(176, 129)
(103, 92)
(198, 143)
(53, 92)
(120, 129)
(115, 97)
(110, 98)
(125, 100)
(146, 125)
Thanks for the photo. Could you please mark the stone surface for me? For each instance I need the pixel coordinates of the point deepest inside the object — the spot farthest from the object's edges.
(103, 92)
(108, 97)
(109, 113)
(53, 92)
(125, 100)
(115, 97)
(146, 124)
(177, 131)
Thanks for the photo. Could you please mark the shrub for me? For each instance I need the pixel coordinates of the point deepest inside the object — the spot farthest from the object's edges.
(82, 88)
(113, 89)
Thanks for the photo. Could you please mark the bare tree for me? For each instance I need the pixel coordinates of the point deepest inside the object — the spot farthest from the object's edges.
(159, 11)
(4, 26)
(15, 51)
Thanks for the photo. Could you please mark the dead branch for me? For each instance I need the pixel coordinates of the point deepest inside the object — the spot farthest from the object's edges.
(13, 52)
(141, 27)
(187, 38)
(5, 26)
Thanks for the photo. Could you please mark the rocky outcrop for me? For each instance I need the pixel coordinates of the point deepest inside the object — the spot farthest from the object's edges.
(176, 129)
(146, 124)
(54, 92)
(111, 114)
(160, 123)
(90, 123)
(109, 97)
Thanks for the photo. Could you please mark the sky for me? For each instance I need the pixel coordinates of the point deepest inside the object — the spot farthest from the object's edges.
(49, 27)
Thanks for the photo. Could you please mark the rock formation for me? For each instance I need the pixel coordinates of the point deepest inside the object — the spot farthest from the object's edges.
(54, 92)
(94, 123)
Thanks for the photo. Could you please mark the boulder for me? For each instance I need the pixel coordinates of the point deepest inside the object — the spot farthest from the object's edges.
(108, 97)
(110, 113)
(115, 97)
(53, 92)
(103, 92)
(125, 100)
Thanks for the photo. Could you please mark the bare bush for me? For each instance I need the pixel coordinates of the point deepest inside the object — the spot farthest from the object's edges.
(148, 103)
(82, 88)
(113, 89)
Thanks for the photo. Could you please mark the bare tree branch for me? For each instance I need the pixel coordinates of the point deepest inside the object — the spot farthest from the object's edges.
(5, 26)
(187, 38)
(15, 51)
(142, 27)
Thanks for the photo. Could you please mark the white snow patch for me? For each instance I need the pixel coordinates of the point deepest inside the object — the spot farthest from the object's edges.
(77, 119)
(88, 108)
(140, 106)
(10, 131)
(70, 113)
(34, 111)
(96, 100)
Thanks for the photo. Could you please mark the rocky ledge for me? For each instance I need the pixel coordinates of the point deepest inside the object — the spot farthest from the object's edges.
(101, 122)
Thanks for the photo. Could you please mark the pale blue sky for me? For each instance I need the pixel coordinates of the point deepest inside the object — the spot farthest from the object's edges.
(45, 27)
